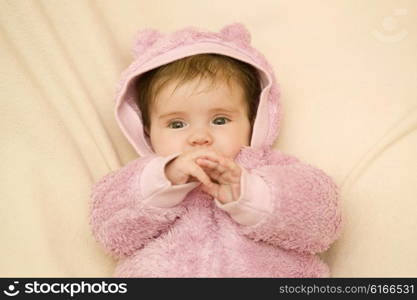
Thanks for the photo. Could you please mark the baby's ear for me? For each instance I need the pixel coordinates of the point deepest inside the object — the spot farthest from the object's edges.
(144, 39)
(236, 32)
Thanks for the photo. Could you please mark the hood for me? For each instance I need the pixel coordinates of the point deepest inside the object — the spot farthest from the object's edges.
(153, 49)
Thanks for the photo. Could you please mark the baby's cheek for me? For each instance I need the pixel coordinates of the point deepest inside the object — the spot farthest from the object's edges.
(164, 145)
(233, 149)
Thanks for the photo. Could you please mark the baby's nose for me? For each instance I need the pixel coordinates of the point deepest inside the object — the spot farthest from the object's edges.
(200, 139)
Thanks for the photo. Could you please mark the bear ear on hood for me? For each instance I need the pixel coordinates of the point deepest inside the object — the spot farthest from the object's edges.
(236, 33)
(144, 39)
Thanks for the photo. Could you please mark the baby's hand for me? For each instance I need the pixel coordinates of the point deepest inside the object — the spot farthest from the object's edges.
(226, 174)
(184, 169)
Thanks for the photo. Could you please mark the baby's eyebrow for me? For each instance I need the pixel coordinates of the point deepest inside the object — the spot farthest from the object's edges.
(175, 113)
(214, 110)
(231, 110)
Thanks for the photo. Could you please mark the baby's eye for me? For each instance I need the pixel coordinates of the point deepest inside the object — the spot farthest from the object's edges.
(176, 124)
(221, 121)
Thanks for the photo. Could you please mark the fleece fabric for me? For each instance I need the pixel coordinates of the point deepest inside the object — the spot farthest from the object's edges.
(288, 211)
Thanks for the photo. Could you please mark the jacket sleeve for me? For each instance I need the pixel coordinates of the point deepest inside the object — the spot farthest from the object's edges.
(288, 204)
(134, 205)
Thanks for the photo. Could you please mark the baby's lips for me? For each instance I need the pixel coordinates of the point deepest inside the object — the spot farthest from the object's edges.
(211, 155)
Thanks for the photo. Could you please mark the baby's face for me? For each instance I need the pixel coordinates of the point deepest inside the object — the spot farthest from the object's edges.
(199, 116)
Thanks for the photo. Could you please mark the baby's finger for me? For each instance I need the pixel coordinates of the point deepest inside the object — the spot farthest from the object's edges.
(214, 174)
(231, 166)
(229, 172)
(210, 168)
(203, 162)
(221, 168)
(229, 178)
(198, 173)
(222, 175)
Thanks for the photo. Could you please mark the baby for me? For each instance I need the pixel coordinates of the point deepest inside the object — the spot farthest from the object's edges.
(209, 197)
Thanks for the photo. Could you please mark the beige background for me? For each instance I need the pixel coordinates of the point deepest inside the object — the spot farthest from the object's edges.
(348, 73)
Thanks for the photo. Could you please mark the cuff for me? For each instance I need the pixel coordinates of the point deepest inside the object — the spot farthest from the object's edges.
(156, 189)
(254, 202)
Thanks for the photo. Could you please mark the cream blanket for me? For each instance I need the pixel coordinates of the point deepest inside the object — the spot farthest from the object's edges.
(348, 75)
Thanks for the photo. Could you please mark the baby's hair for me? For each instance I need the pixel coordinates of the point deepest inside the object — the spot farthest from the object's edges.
(211, 66)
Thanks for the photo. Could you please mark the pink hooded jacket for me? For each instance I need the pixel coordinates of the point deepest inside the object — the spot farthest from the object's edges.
(288, 211)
